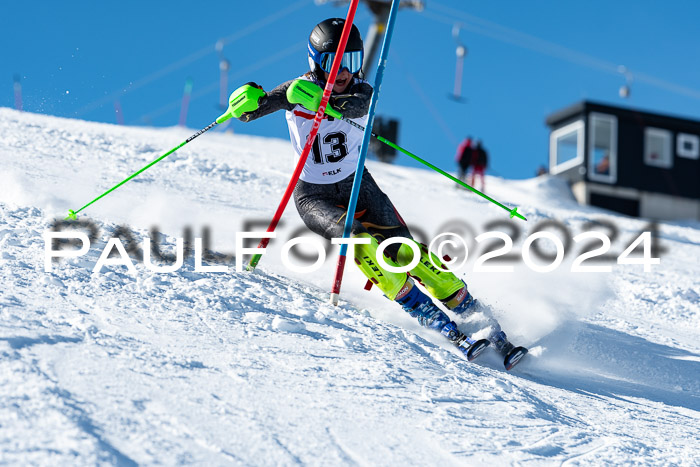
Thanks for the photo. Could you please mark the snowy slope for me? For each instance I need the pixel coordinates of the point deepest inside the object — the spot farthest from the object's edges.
(258, 369)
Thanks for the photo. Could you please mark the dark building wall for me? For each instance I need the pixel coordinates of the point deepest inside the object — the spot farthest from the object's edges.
(626, 206)
(681, 179)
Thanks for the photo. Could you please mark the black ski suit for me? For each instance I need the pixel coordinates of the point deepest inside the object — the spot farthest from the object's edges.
(323, 207)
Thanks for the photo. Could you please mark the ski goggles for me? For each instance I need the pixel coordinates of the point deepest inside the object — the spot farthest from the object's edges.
(352, 61)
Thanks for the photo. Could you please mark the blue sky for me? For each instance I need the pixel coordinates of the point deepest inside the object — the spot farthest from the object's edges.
(525, 60)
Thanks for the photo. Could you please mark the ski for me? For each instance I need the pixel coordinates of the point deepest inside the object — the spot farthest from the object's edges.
(476, 348)
(513, 357)
(512, 354)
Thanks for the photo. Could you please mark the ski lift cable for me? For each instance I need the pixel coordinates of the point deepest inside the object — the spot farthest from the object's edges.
(423, 96)
(213, 86)
(193, 57)
(268, 60)
(511, 36)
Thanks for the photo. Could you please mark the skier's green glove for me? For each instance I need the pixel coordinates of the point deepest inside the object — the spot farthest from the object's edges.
(309, 94)
(242, 100)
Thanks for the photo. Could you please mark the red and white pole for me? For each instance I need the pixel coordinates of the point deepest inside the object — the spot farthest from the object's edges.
(314, 130)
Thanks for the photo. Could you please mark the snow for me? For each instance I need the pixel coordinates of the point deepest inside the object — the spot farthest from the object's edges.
(221, 368)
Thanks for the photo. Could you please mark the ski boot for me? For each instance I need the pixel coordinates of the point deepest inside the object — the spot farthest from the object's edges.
(469, 347)
(512, 354)
(439, 281)
(461, 303)
(399, 287)
(420, 306)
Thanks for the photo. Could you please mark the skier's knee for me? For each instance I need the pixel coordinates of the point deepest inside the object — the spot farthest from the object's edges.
(431, 272)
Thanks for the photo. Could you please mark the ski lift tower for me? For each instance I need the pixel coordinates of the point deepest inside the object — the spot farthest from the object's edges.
(384, 126)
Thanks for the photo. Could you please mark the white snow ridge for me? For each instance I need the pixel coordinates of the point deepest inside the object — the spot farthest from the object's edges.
(240, 368)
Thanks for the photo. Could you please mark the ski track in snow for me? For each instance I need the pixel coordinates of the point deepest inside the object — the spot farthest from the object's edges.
(257, 368)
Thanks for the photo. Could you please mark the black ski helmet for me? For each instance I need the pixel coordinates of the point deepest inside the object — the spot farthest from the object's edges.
(325, 37)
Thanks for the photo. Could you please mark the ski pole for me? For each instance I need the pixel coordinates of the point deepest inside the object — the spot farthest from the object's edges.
(357, 181)
(239, 102)
(306, 94)
(347, 27)
(513, 212)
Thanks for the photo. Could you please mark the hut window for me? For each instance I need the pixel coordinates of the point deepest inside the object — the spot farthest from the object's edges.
(602, 148)
(566, 147)
(688, 146)
(657, 148)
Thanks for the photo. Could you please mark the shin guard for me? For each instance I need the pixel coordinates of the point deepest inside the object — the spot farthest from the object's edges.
(366, 259)
(431, 273)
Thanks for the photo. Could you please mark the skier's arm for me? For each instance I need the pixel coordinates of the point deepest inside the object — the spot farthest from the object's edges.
(271, 102)
(354, 103)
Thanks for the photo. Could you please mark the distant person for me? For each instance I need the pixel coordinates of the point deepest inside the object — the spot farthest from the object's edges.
(463, 157)
(480, 161)
(541, 170)
(603, 166)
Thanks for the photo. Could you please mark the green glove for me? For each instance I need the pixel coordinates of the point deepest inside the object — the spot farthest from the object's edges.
(309, 94)
(242, 100)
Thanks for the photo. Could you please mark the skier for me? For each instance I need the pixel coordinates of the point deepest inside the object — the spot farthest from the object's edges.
(322, 193)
